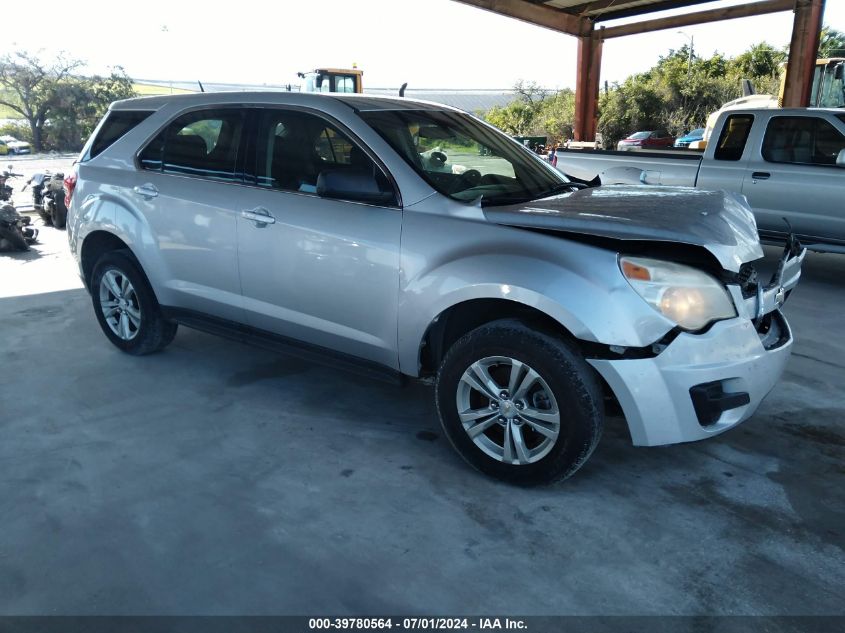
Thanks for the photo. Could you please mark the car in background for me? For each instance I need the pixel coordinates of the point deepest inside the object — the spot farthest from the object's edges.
(684, 141)
(14, 146)
(650, 139)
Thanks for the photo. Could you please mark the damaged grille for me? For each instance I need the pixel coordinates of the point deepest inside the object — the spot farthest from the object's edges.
(747, 278)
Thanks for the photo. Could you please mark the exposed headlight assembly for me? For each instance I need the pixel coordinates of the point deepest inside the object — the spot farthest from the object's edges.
(685, 295)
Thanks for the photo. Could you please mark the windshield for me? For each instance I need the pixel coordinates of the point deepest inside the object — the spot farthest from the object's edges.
(697, 132)
(639, 135)
(463, 158)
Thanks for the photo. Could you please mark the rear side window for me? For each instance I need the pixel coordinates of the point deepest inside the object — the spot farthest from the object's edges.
(734, 135)
(803, 141)
(117, 123)
(204, 144)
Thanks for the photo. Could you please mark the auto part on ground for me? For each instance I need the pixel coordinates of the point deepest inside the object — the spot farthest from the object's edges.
(15, 232)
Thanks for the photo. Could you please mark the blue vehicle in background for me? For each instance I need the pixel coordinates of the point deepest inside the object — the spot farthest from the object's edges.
(684, 141)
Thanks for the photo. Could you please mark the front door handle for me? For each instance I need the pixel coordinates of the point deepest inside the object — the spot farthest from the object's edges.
(146, 191)
(760, 175)
(260, 216)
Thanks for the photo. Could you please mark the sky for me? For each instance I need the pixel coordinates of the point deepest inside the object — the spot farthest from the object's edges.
(428, 43)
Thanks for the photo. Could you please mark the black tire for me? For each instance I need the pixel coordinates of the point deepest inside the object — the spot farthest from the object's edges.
(46, 218)
(59, 214)
(16, 239)
(154, 332)
(573, 383)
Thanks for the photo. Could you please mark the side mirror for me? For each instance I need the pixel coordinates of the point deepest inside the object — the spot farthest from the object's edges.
(840, 160)
(357, 185)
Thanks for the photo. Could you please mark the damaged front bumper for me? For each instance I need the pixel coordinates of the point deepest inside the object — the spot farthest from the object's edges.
(703, 384)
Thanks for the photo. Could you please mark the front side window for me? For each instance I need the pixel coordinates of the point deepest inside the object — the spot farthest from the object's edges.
(204, 144)
(462, 158)
(294, 148)
(802, 140)
(734, 135)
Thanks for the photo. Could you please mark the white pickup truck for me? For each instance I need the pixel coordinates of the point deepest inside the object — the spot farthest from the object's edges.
(789, 163)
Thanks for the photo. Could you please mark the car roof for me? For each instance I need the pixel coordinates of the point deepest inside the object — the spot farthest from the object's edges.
(782, 111)
(359, 103)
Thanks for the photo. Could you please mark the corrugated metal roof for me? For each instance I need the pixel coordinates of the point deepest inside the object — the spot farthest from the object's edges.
(599, 10)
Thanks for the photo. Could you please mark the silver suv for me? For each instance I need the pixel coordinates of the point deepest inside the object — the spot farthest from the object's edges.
(413, 240)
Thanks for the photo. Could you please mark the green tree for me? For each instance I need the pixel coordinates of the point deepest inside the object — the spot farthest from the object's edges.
(681, 90)
(30, 87)
(536, 112)
(832, 43)
(556, 118)
(81, 102)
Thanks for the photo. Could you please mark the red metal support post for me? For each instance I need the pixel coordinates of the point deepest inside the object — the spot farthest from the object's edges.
(587, 86)
(802, 53)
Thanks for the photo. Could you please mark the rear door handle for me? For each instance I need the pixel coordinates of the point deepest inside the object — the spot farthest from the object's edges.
(260, 216)
(146, 191)
(760, 175)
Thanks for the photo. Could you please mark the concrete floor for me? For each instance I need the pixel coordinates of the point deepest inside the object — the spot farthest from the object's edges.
(216, 478)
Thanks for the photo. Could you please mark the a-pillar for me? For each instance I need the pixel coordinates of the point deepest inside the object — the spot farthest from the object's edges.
(587, 86)
(802, 53)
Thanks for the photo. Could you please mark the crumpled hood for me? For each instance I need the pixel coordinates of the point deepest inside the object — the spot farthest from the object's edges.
(719, 221)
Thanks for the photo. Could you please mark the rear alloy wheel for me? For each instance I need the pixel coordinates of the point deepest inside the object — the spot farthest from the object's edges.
(519, 404)
(119, 304)
(126, 307)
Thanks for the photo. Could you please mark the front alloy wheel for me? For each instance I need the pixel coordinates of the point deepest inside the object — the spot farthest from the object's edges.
(519, 402)
(508, 410)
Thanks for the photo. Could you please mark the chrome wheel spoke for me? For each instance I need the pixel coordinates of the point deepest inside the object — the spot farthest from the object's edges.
(528, 381)
(111, 284)
(134, 315)
(474, 430)
(109, 308)
(474, 414)
(123, 326)
(520, 450)
(516, 374)
(536, 415)
(548, 430)
(479, 378)
(125, 287)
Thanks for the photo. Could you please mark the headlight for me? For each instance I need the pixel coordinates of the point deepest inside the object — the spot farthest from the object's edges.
(689, 297)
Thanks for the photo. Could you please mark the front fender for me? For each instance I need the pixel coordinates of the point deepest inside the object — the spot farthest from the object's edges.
(578, 285)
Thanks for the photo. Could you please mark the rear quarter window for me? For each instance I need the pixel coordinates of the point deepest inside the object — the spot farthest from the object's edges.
(731, 144)
(115, 126)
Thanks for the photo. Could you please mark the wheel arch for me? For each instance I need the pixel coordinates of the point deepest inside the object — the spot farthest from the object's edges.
(462, 317)
(95, 245)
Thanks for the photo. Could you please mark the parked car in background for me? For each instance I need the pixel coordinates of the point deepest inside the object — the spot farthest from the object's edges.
(789, 163)
(654, 139)
(325, 225)
(15, 146)
(685, 140)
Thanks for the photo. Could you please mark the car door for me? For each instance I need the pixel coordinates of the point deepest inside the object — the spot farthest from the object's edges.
(794, 176)
(324, 271)
(187, 190)
(725, 159)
